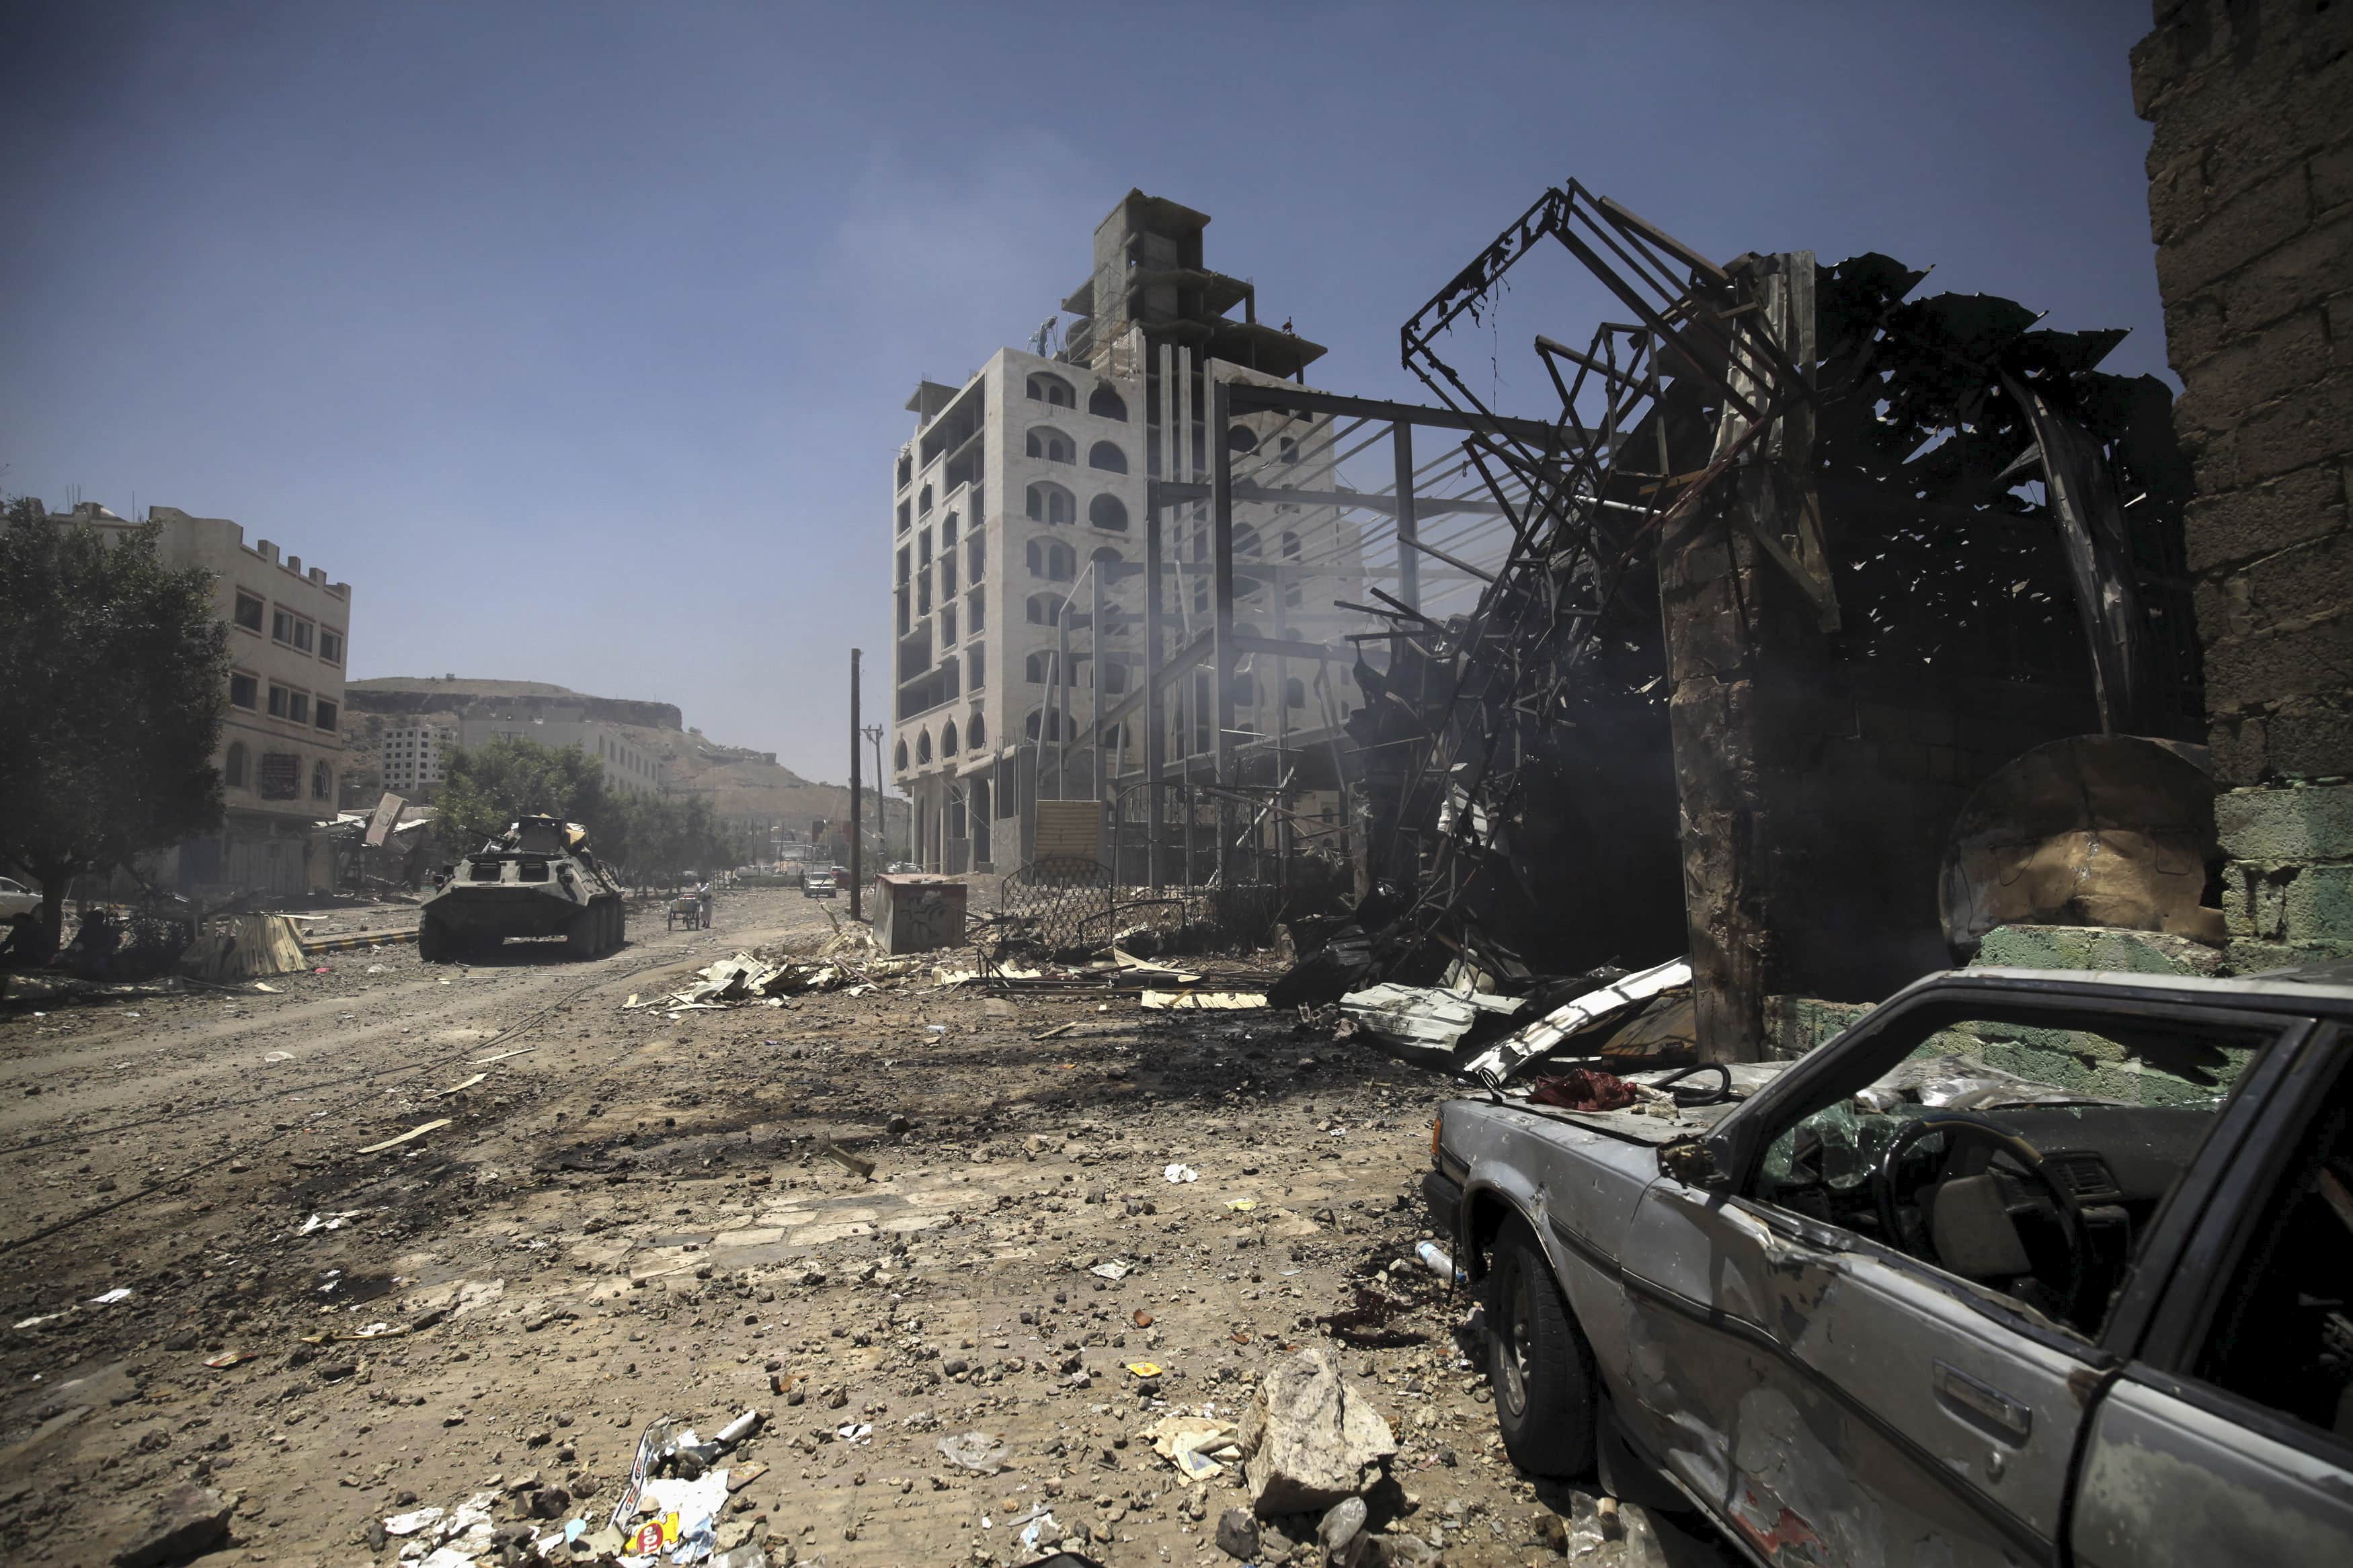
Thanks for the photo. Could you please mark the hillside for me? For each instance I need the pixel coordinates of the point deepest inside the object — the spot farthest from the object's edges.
(742, 786)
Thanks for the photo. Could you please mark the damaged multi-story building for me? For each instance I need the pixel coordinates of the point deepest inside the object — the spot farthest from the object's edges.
(1020, 515)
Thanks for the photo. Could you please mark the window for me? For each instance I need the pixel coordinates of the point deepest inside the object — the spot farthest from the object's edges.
(1039, 668)
(1289, 451)
(279, 703)
(244, 690)
(1246, 541)
(1051, 503)
(281, 626)
(1052, 390)
(1114, 676)
(279, 776)
(331, 646)
(948, 535)
(899, 756)
(325, 715)
(906, 515)
(1108, 511)
(1910, 1145)
(1106, 403)
(1052, 445)
(976, 612)
(924, 746)
(906, 611)
(297, 707)
(1106, 456)
(948, 573)
(1045, 609)
(948, 739)
(906, 470)
(248, 610)
(1044, 724)
(977, 667)
(906, 567)
(975, 559)
(1294, 692)
(1105, 555)
(233, 769)
(976, 731)
(923, 501)
(1053, 559)
(322, 781)
(947, 623)
(2281, 1334)
(1240, 438)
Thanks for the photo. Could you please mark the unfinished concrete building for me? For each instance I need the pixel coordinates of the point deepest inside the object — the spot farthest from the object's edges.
(1022, 518)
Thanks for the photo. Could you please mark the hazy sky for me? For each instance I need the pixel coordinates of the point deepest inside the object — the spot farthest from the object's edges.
(577, 337)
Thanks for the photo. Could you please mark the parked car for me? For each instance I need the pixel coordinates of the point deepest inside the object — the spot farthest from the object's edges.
(817, 882)
(2021, 1266)
(16, 900)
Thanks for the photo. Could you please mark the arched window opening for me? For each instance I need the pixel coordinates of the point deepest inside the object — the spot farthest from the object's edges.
(1106, 456)
(1105, 555)
(1294, 692)
(948, 740)
(1039, 668)
(1052, 390)
(1051, 503)
(977, 731)
(1240, 438)
(924, 747)
(1044, 724)
(1246, 541)
(1108, 511)
(1106, 403)
(1290, 545)
(1289, 451)
(906, 470)
(1114, 676)
(1052, 445)
(948, 534)
(899, 756)
(1053, 559)
(235, 768)
(1044, 609)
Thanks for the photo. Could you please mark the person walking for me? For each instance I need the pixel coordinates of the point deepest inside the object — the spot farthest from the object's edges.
(704, 892)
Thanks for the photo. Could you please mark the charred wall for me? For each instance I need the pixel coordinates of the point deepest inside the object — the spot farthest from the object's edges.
(2251, 206)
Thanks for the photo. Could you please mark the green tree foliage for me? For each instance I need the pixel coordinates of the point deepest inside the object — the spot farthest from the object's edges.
(113, 686)
(646, 838)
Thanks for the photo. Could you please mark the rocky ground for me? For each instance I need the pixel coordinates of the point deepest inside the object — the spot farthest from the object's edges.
(619, 1216)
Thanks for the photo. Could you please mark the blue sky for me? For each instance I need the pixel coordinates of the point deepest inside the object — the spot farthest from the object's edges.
(577, 337)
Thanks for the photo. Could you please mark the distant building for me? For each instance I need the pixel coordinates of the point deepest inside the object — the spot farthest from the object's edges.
(281, 751)
(412, 756)
(1034, 470)
(628, 765)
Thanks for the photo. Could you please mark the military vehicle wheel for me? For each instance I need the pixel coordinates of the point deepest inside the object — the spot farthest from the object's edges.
(1537, 1359)
(620, 926)
(580, 936)
(433, 942)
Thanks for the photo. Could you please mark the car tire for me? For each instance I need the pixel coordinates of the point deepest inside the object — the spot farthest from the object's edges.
(1539, 1366)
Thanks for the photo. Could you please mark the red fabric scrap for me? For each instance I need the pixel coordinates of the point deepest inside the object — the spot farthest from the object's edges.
(1584, 1089)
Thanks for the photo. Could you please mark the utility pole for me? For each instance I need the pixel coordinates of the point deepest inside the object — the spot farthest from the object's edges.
(857, 820)
(874, 734)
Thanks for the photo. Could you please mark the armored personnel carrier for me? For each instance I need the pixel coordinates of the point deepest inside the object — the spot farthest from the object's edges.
(537, 878)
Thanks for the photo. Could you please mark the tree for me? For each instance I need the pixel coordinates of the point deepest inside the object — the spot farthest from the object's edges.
(113, 687)
(488, 786)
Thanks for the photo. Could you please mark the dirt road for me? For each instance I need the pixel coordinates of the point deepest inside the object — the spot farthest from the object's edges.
(618, 1215)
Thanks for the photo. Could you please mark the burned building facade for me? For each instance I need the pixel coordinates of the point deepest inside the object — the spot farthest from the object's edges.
(1802, 565)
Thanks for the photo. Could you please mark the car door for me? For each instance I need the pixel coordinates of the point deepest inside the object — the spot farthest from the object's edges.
(1832, 1398)
(2228, 1438)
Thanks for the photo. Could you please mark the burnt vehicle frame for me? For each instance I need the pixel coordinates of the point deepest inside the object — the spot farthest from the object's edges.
(1821, 1394)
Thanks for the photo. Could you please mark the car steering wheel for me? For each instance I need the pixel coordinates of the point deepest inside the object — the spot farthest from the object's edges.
(1964, 1126)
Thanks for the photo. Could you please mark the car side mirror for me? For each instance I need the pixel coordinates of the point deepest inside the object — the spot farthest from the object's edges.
(1692, 1163)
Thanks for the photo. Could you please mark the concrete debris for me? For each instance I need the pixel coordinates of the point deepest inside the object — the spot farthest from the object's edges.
(1197, 1001)
(744, 979)
(1423, 1024)
(1238, 1535)
(1196, 1445)
(1309, 1438)
(243, 946)
(185, 1522)
(1341, 1533)
(979, 1451)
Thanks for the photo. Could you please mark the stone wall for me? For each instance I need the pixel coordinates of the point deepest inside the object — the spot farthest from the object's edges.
(2251, 205)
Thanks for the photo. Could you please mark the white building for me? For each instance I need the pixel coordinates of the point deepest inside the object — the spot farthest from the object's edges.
(628, 765)
(1032, 473)
(281, 751)
(415, 755)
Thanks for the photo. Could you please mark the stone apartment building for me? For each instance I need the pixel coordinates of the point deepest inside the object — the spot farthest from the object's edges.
(2251, 205)
(281, 755)
(1026, 484)
(413, 756)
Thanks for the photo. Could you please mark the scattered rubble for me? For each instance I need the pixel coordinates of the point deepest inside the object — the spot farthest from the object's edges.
(1309, 1438)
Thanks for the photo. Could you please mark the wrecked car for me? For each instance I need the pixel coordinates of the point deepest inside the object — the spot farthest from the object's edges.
(2023, 1267)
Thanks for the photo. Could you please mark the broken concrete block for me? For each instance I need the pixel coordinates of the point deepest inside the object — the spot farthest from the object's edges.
(185, 1523)
(1238, 1534)
(1309, 1439)
(1341, 1533)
